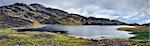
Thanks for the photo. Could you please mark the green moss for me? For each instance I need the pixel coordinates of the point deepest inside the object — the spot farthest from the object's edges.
(67, 41)
(38, 39)
(141, 32)
(6, 30)
(141, 35)
(12, 38)
(26, 39)
(19, 36)
(135, 29)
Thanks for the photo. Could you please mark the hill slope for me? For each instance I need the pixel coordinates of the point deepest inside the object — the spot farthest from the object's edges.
(44, 15)
(8, 21)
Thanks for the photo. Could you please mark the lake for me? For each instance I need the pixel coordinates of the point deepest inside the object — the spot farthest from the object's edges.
(91, 31)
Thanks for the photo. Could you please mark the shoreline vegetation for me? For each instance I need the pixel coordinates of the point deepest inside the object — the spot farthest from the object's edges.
(13, 38)
(141, 32)
(9, 37)
(135, 29)
(23, 15)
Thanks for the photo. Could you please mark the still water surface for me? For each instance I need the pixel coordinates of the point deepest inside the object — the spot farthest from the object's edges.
(92, 31)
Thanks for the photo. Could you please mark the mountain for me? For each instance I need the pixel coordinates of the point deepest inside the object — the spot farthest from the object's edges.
(45, 15)
(146, 24)
(8, 21)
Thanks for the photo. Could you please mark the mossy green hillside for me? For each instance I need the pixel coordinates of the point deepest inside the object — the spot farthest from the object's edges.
(11, 37)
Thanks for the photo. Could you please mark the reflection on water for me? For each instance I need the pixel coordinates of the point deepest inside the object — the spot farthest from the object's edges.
(92, 31)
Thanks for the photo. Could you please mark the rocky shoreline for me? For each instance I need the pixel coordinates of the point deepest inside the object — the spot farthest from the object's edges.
(9, 37)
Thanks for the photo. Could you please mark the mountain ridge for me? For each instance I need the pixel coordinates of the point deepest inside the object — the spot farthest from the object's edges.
(46, 15)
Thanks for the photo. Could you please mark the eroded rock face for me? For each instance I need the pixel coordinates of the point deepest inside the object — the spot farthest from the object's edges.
(44, 15)
(8, 21)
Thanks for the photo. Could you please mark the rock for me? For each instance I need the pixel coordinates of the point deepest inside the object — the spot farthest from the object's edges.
(8, 21)
(44, 15)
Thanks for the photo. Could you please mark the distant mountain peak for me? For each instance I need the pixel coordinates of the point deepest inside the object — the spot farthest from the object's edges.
(46, 15)
(36, 5)
(20, 4)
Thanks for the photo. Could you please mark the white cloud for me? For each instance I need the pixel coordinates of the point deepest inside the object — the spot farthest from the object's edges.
(147, 21)
(125, 10)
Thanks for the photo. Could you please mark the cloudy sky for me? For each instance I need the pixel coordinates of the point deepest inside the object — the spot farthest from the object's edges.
(131, 11)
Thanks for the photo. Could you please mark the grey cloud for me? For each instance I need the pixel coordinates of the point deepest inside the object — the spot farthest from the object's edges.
(113, 9)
